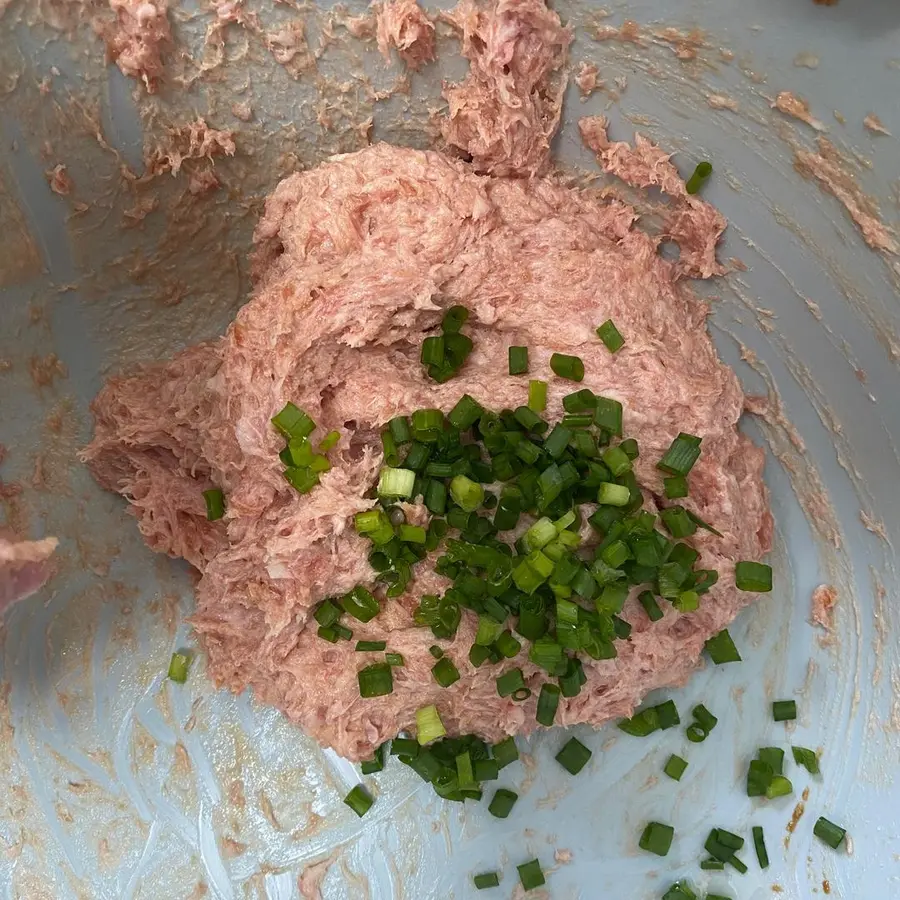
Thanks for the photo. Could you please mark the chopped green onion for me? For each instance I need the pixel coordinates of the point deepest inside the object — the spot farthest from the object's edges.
(831, 834)
(412, 534)
(753, 576)
(359, 800)
(577, 421)
(293, 422)
(488, 631)
(507, 645)
(302, 480)
(466, 493)
(445, 672)
(429, 726)
(704, 718)
(657, 838)
(683, 452)
(518, 360)
(779, 786)
(772, 756)
(298, 453)
(611, 336)
(178, 666)
(396, 482)
(432, 351)
(404, 747)
(696, 733)
(759, 777)
(712, 865)
(329, 441)
(510, 682)
(675, 767)
(454, 319)
(361, 604)
(574, 756)
(681, 890)
(723, 845)
(343, 632)
(328, 633)
(435, 651)
(609, 494)
(616, 460)
(677, 521)
(651, 607)
(389, 448)
(806, 758)
(548, 702)
(641, 724)
(608, 416)
(466, 413)
(721, 648)
(486, 879)
(215, 504)
(687, 601)
(375, 680)
(505, 752)
(394, 659)
(400, 430)
(375, 764)
(370, 646)
(630, 448)
(502, 803)
(675, 487)
(565, 366)
(427, 424)
(530, 875)
(699, 178)
(580, 401)
(486, 770)
(784, 710)
(537, 395)
(759, 844)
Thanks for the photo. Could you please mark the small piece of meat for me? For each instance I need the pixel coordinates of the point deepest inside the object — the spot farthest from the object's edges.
(695, 225)
(404, 25)
(193, 141)
(504, 114)
(137, 37)
(824, 599)
(357, 259)
(24, 568)
(587, 78)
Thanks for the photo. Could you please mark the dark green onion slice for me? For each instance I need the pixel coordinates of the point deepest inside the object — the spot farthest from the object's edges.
(831, 834)
(329, 441)
(712, 865)
(328, 633)
(394, 659)
(721, 648)
(215, 504)
(681, 890)
(361, 604)
(806, 758)
(343, 632)
(608, 416)
(531, 875)
(565, 366)
(611, 336)
(510, 682)
(642, 723)
(518, 360)
(486, 880)
(400, 430)
(359, 800)
(704, 717)
(445, 672)
(675, 767)
(723, 845)
(302, 480)
(548, 703)
(696, 733)
(327, 613)
(772, 756)
(432, 351)
(370, 646)
(573, 756)
(630, 448)
(753, 576)
(759, 844)
(454, 319)
(699, 177)
(404, 747)
(486, 770)
(759, 777)
(784, 710)
(505, 752)
(466, 413)
(502, 803)
(651, 607)
(683, 452)
(179, 665)
(293, 422)
(375, 764)
(657, 838)
(677, 521)
(375, 680)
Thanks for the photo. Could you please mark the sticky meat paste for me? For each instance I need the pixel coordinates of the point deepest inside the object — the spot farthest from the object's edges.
(24, 568)
(356, 261)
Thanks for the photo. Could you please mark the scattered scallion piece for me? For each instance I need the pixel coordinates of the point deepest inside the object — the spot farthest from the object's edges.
(712, 865)
(681, 890)
(370, 646)
(721, 648)
(293, 422)
(784, 710)
(375, 680)
(675, 487)
(518, 360)
(573, 756)
(404, 747)
(675, 767)
(651, 607)
(215, 504)
(806, 758)
(831, 834)
(753, 576)
(359, 800)
(329, 441)
(179, 665)
(375, 764)
(779, 786)
(486, 880)
(510, 682)
(537, 395)
(396, 482)
(657, 838)
(531, 875)
(394, 659)
(759, 844)
(502, 803)
(699, 177)
(565, 366)
(548, 703)
(611, 336)
(505, 752)
(683, 452)
(445, 672)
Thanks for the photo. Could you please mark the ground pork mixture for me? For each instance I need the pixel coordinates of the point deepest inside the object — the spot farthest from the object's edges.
(356, 261)
(24, 568)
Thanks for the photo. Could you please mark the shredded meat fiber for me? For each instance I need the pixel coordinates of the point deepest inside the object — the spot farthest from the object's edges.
(356, 261)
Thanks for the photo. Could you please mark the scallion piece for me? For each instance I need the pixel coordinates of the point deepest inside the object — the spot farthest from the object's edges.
(753, 576)
(404, 747)
(611, 336)
(361, 604)
(400, 430)
(531, 875)
(375, 764)
(831, 834)
(681, 890)
(466, 493)
(370, 646)
(675, 487)
(412, 534)
(609, 494)
(179, 665)
(396, 482)
(510, 682)
(432, 351)
(574, 756)
(774, 757)
(630, 448)
(466, 413)
(507, 645)
(293, 422)
(721, 648)
(806, 758)
(699, 178)
(565, 366)
(389, 448)
(641, 724)
(518, 360)
(375, 680)
(359, 800)
(502, 803)
(759, 844)
(712, 865)
(429, 726)
(683, 452)
(394, 659)
(651, 607)
(784, 710)
(486, 879)
(445, 672)
(548, 703)
(657, 838)
(537, 395)
(454, 319)
(505, 752)
(608, 416)
(215, 504)
(779, 786)
(675, 767)
(302, 480)
(704, 717)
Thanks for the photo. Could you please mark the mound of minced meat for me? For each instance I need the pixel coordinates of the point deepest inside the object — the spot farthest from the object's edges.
(357, 261)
